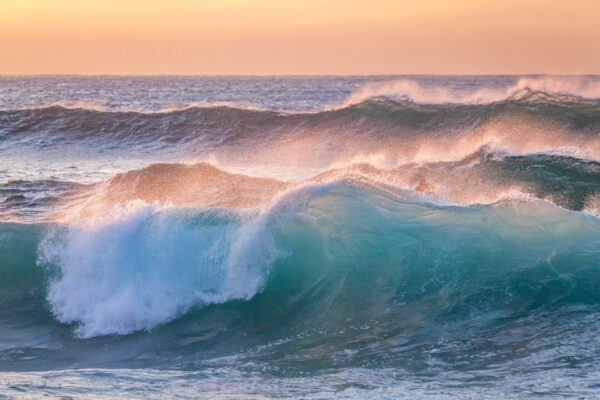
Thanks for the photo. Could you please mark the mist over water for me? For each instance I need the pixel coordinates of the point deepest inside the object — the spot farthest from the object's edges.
(311, 237)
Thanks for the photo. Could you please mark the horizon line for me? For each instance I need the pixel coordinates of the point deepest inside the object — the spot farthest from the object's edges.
(290, 75)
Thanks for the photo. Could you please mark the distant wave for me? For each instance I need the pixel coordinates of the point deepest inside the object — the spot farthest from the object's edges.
(99, 106)
(561, 88)
(483, 177)
(385, 132)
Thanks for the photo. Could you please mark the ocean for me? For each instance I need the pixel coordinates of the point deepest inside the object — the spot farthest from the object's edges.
(307, 237)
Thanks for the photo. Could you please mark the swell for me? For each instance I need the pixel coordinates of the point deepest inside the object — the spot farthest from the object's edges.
(330, 274)
(82, 122)
(484, 177)
(296, 146)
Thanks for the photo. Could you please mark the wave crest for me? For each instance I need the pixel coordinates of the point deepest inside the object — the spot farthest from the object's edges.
(549, 87)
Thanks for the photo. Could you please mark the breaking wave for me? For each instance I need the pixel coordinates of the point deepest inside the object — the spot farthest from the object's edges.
(345, 267)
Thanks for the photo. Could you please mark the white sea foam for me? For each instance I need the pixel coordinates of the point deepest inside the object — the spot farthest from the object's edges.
(140, 266)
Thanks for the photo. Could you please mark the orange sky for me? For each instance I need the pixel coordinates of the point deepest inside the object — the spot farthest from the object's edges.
(299, 36)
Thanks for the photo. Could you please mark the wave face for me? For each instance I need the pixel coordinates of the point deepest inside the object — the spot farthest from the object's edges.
(431, 238)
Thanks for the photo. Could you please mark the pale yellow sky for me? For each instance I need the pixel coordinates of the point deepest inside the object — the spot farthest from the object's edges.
(299, 36)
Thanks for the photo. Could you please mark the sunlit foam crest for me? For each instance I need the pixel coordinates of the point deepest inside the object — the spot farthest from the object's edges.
(417, 92)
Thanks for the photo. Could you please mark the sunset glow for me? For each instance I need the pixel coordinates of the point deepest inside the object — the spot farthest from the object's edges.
(299, 37)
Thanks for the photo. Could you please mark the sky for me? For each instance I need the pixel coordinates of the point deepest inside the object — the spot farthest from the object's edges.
(272, 37)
